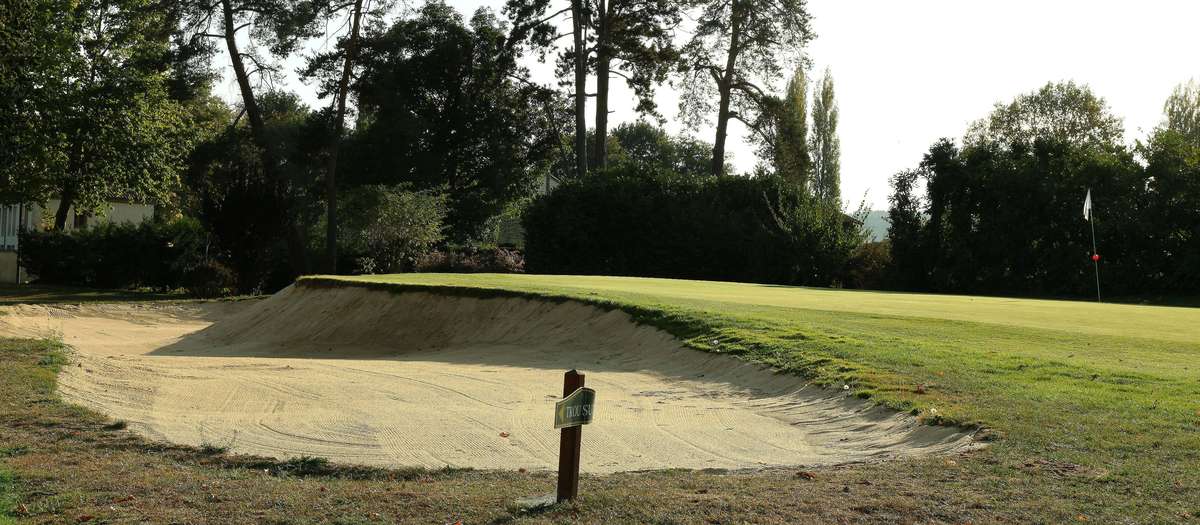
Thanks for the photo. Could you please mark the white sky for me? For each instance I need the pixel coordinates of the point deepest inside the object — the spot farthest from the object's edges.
(908, 73)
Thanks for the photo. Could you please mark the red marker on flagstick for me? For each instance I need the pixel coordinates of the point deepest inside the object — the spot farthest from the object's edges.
(1095, 257)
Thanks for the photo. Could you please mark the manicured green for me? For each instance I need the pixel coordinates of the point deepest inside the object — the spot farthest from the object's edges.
(1111, 389)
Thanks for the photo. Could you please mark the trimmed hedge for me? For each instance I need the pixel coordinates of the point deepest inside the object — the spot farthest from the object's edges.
(163, 256)
(632, 223)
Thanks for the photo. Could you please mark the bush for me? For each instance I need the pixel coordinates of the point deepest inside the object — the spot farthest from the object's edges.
(155, 255)
(643, 223)
(210, 279)
(472, 260)
(868, 266)
(385, 229)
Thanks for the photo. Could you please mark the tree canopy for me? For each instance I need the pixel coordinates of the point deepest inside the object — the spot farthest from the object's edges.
(444, 104)
(1062, 111)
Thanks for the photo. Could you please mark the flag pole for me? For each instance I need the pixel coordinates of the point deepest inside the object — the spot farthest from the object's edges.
(1095, 254)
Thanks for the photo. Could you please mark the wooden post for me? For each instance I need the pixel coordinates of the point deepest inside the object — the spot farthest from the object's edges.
(568, 446)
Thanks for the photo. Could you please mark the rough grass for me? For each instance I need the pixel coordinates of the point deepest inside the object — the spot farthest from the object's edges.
(1082, 426)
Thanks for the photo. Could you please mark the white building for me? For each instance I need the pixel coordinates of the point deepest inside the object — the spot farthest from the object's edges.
(16, 217)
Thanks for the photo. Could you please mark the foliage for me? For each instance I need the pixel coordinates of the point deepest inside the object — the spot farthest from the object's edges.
(634, 221)
(868, 266)
(1060, 111)
(443, 104)
(1182, 111)
(90, 112)
(471, 259)
(386, 229)
(249, 211)
(1008, 220)
(790, 153)
(737, 50)
(1172, 220)
(159, 255)
(826, 147)
(1005, 217)
(35, 42)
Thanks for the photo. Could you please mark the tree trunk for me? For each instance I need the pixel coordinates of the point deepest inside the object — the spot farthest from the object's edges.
(577, 22)
(258, 130)
(603, 64)
(66, 200)
(339, 122)
(253, 113)
(726, 89)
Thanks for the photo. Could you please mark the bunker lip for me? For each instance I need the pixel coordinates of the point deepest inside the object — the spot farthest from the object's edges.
(419, 378)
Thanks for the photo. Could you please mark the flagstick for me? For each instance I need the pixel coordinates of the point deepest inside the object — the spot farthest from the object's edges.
(1095, 262)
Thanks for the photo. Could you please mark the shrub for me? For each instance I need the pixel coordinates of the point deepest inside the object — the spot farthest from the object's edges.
(633, 221)
(210, 279)
(149, 255)
(472, 260)
(867, 267)
(385, 229)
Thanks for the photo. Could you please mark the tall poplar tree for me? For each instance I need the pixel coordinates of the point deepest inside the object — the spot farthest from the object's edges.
(826, 147)
(792, 160)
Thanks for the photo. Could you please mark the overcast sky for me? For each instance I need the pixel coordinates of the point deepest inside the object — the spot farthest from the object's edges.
(908, 73)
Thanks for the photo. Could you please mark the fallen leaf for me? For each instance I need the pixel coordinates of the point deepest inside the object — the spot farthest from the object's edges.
(1081, 517)
(85, 518)
(504, 434)
(806, 475)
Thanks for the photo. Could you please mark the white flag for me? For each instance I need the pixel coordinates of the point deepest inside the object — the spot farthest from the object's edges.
(1087, 205)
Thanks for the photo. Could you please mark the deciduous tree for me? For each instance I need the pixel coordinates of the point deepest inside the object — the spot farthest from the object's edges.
(738, 49)
(1062, 111)
(826, 147)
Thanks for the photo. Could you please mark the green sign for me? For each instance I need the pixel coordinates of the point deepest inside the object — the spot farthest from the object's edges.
(575, 409)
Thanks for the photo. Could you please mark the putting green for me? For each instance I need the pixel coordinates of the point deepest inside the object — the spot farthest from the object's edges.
(1153, 322)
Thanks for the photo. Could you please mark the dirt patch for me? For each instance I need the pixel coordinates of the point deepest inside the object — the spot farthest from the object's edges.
(416, 379)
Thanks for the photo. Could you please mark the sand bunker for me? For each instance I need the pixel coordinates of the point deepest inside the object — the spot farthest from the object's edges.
(416, 379)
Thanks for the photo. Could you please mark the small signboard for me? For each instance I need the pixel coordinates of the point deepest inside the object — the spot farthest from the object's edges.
(575, 409)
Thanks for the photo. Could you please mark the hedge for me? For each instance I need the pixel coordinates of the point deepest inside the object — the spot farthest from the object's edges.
(761, 229)
(159, 255)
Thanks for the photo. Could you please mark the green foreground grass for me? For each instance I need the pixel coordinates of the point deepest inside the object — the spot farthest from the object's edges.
(1091, 413)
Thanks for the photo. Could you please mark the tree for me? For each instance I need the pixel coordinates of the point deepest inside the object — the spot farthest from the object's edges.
(738, 49)
(826, 147)
(1183, 111)
(336, 82)
(637, 37)
(248, 210)
(645, 144)
(1062, 111)
(88, 106)
(37, 46)
(790, 154)
(279, 26)
(444, 105)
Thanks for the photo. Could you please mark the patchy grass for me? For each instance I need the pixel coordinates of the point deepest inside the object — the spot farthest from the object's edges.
(12, 294)
(45, 294)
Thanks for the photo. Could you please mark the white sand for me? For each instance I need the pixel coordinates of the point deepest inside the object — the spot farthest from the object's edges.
(415, 379)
